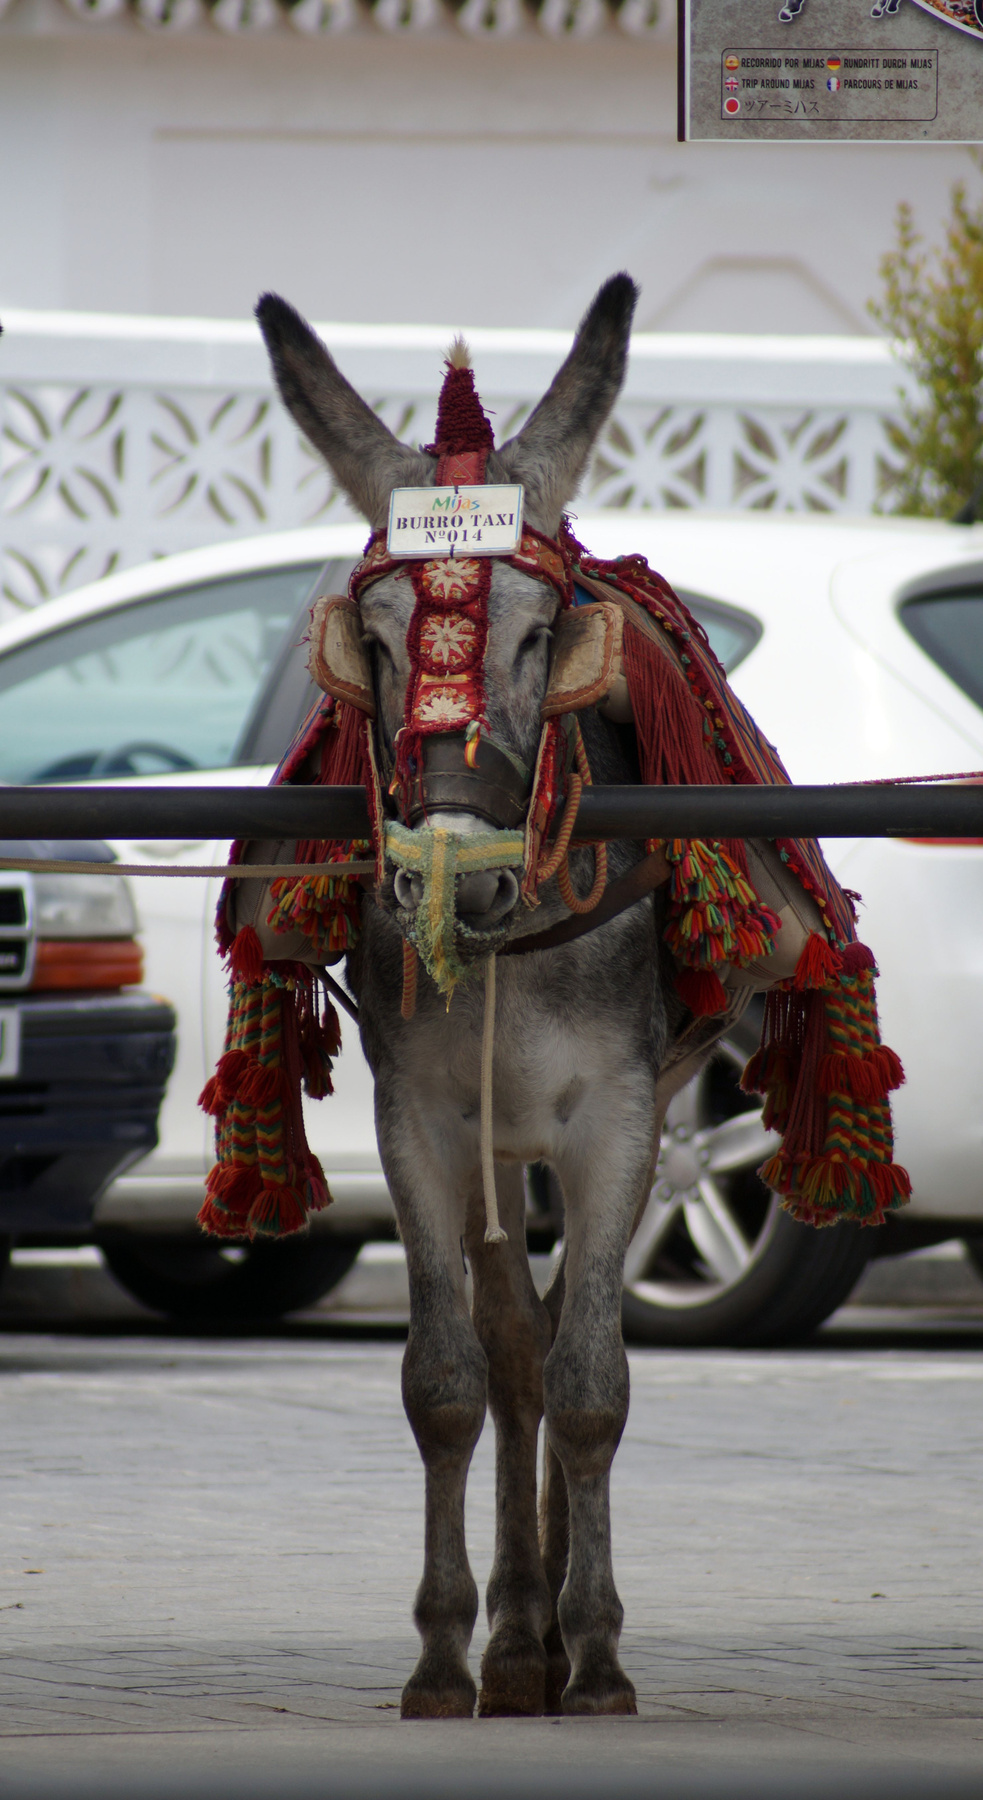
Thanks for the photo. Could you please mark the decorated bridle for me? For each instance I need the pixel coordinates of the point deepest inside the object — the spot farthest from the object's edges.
(445, 757)
(444, 754)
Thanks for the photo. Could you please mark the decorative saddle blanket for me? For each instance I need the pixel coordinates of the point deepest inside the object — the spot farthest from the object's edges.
(821, 1067)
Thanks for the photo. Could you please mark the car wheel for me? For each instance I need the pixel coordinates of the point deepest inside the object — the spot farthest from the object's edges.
(715, 1260)
(204, 1282)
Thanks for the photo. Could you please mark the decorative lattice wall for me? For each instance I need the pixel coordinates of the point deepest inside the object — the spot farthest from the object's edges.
(124, 439)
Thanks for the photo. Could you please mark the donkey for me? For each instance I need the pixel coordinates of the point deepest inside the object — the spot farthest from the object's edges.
(591, 1034)
(581, 1036)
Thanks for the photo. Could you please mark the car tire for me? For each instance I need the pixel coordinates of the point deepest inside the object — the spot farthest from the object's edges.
(201, 1282)
(715, 1260)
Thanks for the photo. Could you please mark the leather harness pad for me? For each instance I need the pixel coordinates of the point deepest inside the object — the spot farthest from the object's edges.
(337, 660)
(586, 658)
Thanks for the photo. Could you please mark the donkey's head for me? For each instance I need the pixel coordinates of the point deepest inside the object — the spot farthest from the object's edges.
(472, 770)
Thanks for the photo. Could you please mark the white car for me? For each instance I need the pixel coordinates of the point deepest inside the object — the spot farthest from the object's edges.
(857, 646)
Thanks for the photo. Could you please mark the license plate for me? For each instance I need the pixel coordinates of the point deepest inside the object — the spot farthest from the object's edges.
(9, 1042)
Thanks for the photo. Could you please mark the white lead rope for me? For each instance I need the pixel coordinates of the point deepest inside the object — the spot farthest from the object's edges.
(493, 1230)
(26, 865)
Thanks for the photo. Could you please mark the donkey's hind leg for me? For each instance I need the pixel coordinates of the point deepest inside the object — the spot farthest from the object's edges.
(513, 1330)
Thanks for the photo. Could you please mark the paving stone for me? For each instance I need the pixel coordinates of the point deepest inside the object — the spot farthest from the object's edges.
(229, 1537)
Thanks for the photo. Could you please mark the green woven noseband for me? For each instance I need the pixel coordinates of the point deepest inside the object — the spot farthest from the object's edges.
(440, 856)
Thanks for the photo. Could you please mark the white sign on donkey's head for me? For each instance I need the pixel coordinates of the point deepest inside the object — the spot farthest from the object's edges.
(455, 521)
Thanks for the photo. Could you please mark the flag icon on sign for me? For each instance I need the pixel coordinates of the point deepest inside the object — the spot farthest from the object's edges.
(833, 84)
(732, 61)
(731, 84)
(732, 106)
(834, 62)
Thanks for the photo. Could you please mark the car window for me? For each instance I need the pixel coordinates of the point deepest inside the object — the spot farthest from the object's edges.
(949, 628)
(288, 693)
(732, 633)
(163, 684)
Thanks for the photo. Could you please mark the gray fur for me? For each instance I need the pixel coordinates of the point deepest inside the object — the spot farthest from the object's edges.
(581, 1037)
(367, 460)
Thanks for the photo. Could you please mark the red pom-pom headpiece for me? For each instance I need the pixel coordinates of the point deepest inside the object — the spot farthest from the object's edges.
(464, 436)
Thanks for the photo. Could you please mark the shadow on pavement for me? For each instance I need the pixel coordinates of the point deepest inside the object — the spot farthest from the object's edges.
(932, 1300)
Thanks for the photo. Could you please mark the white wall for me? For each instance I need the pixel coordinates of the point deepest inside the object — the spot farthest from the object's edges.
(428, 178)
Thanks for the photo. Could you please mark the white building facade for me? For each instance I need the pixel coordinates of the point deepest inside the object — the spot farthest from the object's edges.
(409, 170)
(414, 162)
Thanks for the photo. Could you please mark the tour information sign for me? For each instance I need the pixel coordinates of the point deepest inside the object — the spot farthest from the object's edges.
(449, 521)
(882, 70)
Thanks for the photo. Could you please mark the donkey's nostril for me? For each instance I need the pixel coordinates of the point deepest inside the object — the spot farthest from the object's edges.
(409, 890)
(476, 893)
(485, 898)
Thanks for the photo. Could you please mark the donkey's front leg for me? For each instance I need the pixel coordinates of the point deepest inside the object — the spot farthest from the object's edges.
(585, 1383)
(444, 1385)
(513, 1329)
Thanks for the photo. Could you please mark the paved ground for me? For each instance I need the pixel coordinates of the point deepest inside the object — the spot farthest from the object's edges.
(210, 1550)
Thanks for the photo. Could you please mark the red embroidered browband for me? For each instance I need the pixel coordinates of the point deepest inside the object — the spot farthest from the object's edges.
(448, 632)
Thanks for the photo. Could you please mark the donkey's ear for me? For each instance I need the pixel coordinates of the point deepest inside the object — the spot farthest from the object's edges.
(549, 455)
(361, 451)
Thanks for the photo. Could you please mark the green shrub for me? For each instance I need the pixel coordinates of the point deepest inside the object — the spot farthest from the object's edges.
(932, 307)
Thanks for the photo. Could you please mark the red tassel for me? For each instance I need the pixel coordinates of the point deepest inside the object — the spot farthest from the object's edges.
(868, 1077)
(822, 1190)
(216, 1222)
(276, 1212)
(246, 955)
(318, 1193)
(819, 964)
(702, 991)
(211, 1099)
(854, 958)
(262, 1086)
(234, 1186)
(767, 1068)
(224, 1086)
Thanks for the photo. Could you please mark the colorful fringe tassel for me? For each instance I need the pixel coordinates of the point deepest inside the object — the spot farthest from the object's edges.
(826, 1076)
(715, 919)
(267, 1181)
(326, 908)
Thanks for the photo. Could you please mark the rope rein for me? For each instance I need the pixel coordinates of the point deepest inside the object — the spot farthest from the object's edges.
(558, 861)
(411, 964)
(493, 1230)
(46, 865)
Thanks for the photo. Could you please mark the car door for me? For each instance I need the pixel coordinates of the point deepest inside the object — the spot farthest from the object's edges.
(159, 689)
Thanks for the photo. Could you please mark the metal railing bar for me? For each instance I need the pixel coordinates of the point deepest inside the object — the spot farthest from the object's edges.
(944, 810)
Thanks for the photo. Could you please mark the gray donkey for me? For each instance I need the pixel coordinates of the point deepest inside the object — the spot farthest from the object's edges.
(581, 1081)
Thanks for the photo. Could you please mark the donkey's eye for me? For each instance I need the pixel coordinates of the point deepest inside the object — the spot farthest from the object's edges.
(541, 635)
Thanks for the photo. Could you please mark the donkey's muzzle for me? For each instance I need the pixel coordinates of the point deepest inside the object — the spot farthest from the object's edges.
(482, 899)
(491, 786)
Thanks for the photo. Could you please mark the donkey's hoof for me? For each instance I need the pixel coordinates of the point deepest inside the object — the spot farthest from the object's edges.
(513, 1676)
(599, 1694)
(420, 1702)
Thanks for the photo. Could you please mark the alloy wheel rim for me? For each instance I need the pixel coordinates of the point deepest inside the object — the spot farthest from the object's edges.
(709, 1217)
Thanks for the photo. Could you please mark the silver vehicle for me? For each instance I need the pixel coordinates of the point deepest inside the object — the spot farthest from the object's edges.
(857, 646)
